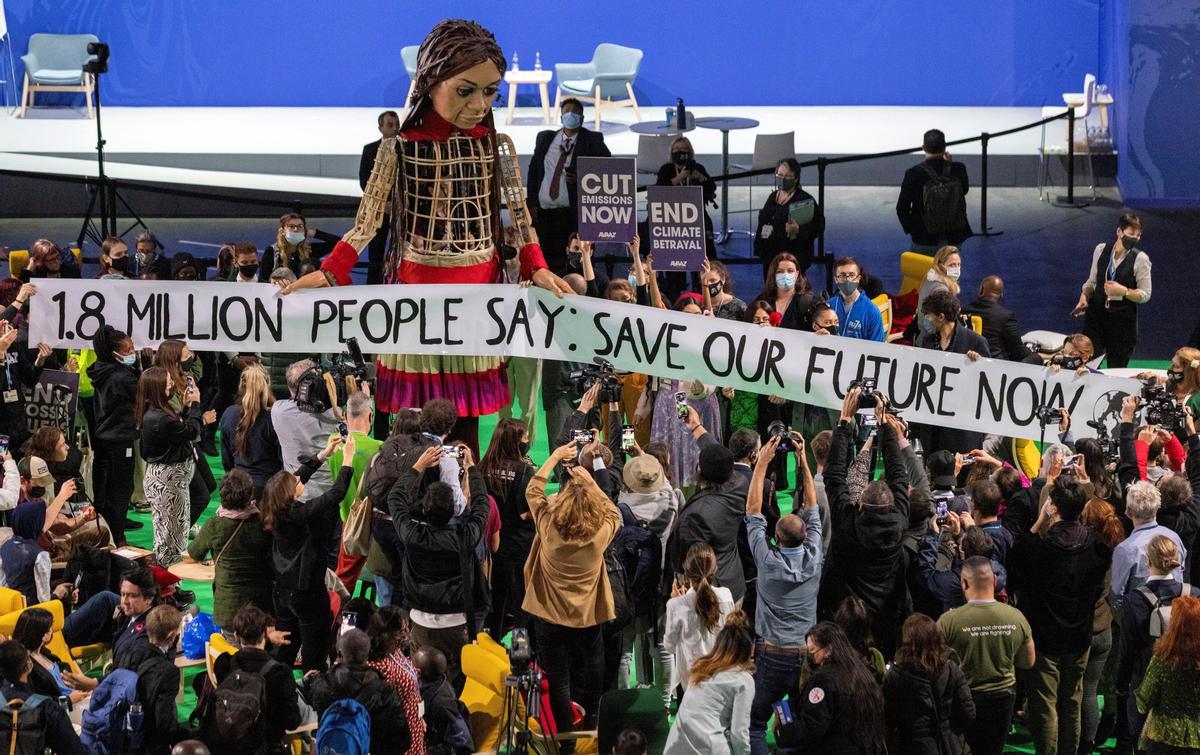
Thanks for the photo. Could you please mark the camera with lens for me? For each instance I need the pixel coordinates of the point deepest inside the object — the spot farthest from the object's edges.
(1161, 408)
(1067, 362)
(779, 430)
(602, 371)
(1108, 444)
(866, 395)
(520, 654)
(1049, 415)
(319, 390)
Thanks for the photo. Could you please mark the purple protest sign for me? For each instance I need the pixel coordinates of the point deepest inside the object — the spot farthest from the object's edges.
(607, 199)
(675, 216)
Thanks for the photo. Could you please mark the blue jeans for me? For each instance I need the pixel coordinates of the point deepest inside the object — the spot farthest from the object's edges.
(776, 673)
(92, 621)
(383, 591)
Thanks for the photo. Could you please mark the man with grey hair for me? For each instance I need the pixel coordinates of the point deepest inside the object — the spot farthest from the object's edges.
(352, 678)
(303, 433)
(1129, 568)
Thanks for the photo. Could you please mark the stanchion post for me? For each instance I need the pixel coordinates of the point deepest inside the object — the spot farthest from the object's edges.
(822, 164)
(984, 230)
(1071, 156)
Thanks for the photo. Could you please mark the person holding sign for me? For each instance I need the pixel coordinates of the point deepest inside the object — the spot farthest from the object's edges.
(683, 170)
(790, 221)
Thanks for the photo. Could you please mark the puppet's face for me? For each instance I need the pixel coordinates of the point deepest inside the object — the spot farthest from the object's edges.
(465, 98)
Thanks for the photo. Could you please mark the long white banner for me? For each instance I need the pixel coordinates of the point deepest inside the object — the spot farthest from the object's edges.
(927, 386)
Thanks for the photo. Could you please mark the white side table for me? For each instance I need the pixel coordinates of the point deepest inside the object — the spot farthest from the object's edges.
(518, 77)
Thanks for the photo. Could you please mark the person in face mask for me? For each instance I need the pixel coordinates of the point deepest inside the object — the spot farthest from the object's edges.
(553, 194)
(1118, 281)
(1182, 378)
(151, 264)
(684, 170)
(858, 316)
(293, 246)
(790, 221)
(114, 377)
(943, 276)
(717, 288)
(114, 257)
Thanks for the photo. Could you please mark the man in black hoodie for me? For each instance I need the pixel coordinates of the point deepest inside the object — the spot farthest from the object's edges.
(1057, 576)
(867, 532)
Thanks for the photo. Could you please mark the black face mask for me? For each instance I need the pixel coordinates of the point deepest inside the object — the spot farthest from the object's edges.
(1174, 378)
(681, 157)
(714, 289)
(187, 364)
(37, 492)
(120, 264)
(248, 271)
(523, 449)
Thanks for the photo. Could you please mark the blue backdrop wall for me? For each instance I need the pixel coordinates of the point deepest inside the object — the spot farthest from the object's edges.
(752, 52)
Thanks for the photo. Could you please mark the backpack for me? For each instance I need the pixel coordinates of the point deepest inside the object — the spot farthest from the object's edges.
(1160, 609)
(387, 467)
(234, 716)
(942, 200)
(22, 726)
(345, 729)
(640, 553)
(622, 589)
(105, 730)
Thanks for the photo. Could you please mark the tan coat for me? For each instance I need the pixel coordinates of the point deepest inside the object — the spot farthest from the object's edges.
(566, 583)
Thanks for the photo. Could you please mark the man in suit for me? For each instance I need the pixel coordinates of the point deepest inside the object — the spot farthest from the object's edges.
(999, 322)
(552, 190)
(389, 126)
(910, 207)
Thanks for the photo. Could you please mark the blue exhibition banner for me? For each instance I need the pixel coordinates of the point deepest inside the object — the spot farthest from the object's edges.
(675, 220)
(607, 198)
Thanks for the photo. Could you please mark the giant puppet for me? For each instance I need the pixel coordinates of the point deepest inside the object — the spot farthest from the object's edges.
(441, 181)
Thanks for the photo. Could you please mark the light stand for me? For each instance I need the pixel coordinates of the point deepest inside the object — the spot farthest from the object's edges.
(105, 197)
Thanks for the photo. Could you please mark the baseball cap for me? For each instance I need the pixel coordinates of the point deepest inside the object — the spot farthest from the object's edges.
(39, 472)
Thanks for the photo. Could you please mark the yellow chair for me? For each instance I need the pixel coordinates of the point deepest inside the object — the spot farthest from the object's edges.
(1028, 458)
(483, 693)
(914, 266)
(18, 260)
(977, 324)
(884, 302)
(57, 644)
(11, 600)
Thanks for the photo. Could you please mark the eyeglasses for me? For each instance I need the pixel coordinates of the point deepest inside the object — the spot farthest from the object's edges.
(846, 276)
(294, 227)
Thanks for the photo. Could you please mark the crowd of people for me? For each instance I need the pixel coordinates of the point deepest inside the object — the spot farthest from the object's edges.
(778, 574)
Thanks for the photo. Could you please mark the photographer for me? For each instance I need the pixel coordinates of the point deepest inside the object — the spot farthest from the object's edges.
(865, 548)
(444, 592)
(301, 430)
(946, 546)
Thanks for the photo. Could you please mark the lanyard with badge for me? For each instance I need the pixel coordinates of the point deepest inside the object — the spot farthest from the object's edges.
(1111, 273)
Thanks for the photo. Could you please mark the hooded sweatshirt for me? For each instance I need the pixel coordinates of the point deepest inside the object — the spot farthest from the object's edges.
(115, 388)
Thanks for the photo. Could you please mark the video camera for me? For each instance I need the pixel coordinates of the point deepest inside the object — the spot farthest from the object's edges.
(779, 430)
(520, 653)
(1049, 415)
(866, 396)
(1161, 408)
(1108, 444)
(317, 387)
(602, 371)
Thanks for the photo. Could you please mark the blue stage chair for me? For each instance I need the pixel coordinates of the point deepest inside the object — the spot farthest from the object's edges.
(609, 76)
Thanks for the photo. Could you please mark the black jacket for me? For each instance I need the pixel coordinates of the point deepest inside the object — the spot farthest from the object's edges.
(825, 719)
(1021, 511)
(1057, 578)
(167, 439)
(927, 716)
(1135, 641)
(116, 390)
(517, 529)
(587, 144)
(910, 206)
(865, 549)
(157, 686)
(1000, 329)
(282, 712)
(714, 516)
(262, 458)
(17, 370)
(434, 554)
(304, 533)
(776, 215)
(388, 722)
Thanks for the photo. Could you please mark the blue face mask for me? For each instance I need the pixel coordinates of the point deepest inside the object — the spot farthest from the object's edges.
(633, 280)
(786, 281)
(572, 120)
(128, 359)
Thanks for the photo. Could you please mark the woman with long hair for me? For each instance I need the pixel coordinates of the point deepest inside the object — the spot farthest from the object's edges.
(1170, 695)
(507, 471)
(716, 286)
(714, 716)
(167, 440)
(841, 705)
(248, 440)
(292, 247)
(114, 377)
(51, 675)
(302, 537)
(925, 694)
(567, 592)
(1138, 630)
(942, 276)
(697, 610)
(388, 630)
(1103, 484)
(853, 618)
(180, 362)
(1099, 516)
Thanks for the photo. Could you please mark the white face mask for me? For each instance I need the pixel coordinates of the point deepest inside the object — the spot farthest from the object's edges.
(294, 237)
(954, 272)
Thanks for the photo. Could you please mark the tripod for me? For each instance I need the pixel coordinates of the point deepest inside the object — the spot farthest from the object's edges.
(522, 690)
(104, 199)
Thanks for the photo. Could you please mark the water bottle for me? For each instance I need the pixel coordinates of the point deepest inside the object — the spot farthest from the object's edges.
(680, 115)
(134, 718)
(516, 62)
(537, 61)
(188, 616)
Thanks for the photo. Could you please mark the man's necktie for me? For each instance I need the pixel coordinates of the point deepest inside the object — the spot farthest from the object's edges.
(558, 168)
